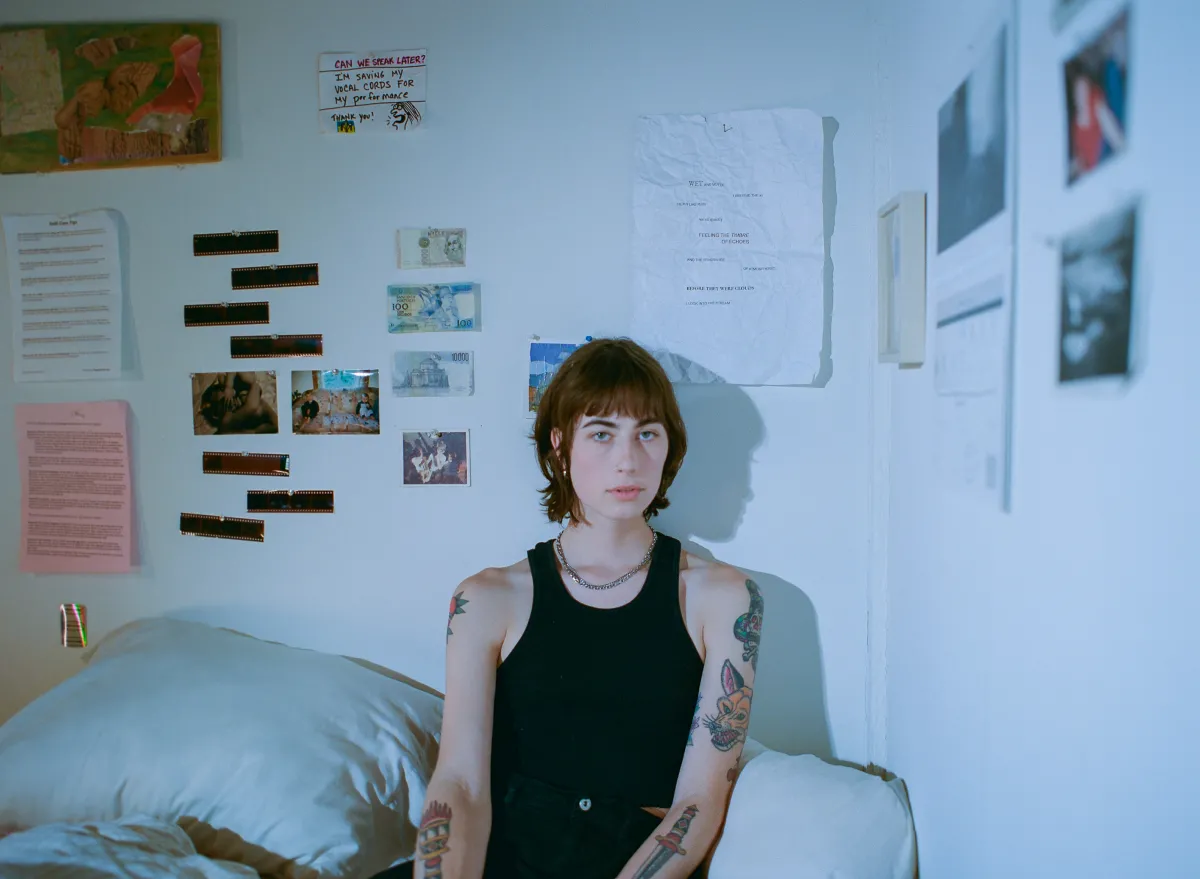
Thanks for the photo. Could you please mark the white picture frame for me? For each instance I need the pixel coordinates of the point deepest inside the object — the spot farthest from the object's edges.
(901, 335)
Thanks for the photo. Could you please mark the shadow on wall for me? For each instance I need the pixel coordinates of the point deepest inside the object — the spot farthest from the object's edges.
(708, 499)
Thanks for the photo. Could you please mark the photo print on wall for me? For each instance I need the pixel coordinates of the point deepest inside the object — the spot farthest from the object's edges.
(544, 360)
(973, 148)
(1096, 82)
(1097, 298)
(335, 401)
(437, 457)
(234, 403)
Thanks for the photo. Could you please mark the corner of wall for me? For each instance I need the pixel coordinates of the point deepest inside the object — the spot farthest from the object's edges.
(880, 423)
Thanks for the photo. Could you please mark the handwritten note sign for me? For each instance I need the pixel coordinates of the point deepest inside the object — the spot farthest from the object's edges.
(376, 92)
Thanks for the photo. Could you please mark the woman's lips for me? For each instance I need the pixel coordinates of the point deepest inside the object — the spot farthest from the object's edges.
(625, 492)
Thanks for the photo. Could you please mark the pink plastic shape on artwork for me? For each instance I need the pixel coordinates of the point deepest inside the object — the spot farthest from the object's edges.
(183, 94)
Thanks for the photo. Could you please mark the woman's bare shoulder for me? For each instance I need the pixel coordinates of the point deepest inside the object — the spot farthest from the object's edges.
(498, 586)
(710, 574)
(499, 578)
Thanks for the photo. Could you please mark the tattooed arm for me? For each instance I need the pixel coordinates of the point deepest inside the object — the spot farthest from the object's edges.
(457, 813)
(731, 608)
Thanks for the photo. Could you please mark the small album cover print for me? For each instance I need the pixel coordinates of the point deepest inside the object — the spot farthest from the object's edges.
(335, 401)
(437, 457)
(1095, 81)
(234, 403)
(545, 358)
(1097, 298)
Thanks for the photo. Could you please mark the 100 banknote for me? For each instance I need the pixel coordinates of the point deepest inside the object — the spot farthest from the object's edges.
(433, 308)
(431, 248)
(433, 374)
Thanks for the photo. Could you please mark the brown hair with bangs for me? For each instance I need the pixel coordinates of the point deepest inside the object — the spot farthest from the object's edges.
(603, 377)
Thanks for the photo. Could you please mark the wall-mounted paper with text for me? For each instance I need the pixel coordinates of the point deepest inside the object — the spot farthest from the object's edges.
(372, 92)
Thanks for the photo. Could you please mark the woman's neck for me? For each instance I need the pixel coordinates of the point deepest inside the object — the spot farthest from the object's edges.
(603, 542)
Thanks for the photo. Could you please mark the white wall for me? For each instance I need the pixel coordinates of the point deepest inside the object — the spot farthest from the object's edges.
(1041, 663)
(528, 145)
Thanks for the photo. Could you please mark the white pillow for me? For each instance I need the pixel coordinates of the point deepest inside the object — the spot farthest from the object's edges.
(295, 762)
(798, 817)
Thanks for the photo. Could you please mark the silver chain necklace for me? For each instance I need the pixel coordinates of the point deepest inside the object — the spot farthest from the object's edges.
(574, 575)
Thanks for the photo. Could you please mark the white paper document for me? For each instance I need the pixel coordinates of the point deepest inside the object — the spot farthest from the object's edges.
(64, 275)
(729, 245)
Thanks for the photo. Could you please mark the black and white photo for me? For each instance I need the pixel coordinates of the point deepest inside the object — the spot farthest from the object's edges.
(1097, 298)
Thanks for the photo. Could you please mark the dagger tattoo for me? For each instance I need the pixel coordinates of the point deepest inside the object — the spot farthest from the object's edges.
(669, 844)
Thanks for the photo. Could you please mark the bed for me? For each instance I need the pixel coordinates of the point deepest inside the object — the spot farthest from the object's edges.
(185, 750)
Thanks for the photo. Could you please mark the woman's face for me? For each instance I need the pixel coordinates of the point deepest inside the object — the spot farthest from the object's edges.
(617, 465)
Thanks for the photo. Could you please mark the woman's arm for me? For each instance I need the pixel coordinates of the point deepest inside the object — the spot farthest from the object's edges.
(457, 814)
(732, 611)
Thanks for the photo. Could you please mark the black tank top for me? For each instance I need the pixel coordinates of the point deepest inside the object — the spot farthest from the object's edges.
(599, 701)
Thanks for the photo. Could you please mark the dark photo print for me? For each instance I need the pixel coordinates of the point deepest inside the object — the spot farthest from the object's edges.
(1097, 298)
(973, 148)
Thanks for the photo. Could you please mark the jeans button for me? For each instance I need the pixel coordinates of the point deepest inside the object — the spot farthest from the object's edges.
(585, 804)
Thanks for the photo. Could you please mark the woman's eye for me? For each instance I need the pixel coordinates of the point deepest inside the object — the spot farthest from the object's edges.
(649, 434)
(600, 435)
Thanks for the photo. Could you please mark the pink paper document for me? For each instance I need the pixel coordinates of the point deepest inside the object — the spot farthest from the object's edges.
(76, 496)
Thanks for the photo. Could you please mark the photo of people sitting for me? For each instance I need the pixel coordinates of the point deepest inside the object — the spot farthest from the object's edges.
(335, 401)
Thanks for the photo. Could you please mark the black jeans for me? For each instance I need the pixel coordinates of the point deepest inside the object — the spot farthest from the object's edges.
(543, 832)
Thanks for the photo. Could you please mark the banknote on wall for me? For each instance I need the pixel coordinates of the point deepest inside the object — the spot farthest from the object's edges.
(433, 308)
(433, 374)
(429, 248)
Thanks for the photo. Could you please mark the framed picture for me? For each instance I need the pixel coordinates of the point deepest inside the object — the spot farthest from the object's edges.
(80, 96)
(902, 280)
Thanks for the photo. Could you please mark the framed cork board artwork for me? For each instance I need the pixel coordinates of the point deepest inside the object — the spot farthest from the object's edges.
(89, 96)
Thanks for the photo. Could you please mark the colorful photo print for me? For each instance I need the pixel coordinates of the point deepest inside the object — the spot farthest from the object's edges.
(437, 457)
(1095, 81)
(1097, 298)
(544, 360)
(234, 403)
(973, 148)
(335, 401)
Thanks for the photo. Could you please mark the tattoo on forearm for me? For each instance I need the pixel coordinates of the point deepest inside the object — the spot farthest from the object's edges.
(695, 718)
(669, 845)
(728, 728)
(748, 627)
(458, 605)
(433, 838)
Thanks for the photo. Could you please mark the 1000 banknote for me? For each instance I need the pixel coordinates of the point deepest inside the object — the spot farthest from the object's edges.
(433, 308)
(431, 248)
(433, 374)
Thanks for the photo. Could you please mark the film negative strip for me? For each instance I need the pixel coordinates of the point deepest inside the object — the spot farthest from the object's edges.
(312, 345)
(217, 314)
(247, 464)
(289, 501)
(228, 527)
(72, 625)
(257, 277)
(223, 243)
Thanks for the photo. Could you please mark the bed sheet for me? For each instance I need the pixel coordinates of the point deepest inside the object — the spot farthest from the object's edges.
(134, 847)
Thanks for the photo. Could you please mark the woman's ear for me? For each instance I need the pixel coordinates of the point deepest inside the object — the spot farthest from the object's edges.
(555, 438)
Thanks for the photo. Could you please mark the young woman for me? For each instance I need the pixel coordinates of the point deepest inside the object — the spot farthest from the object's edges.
(598, 691)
